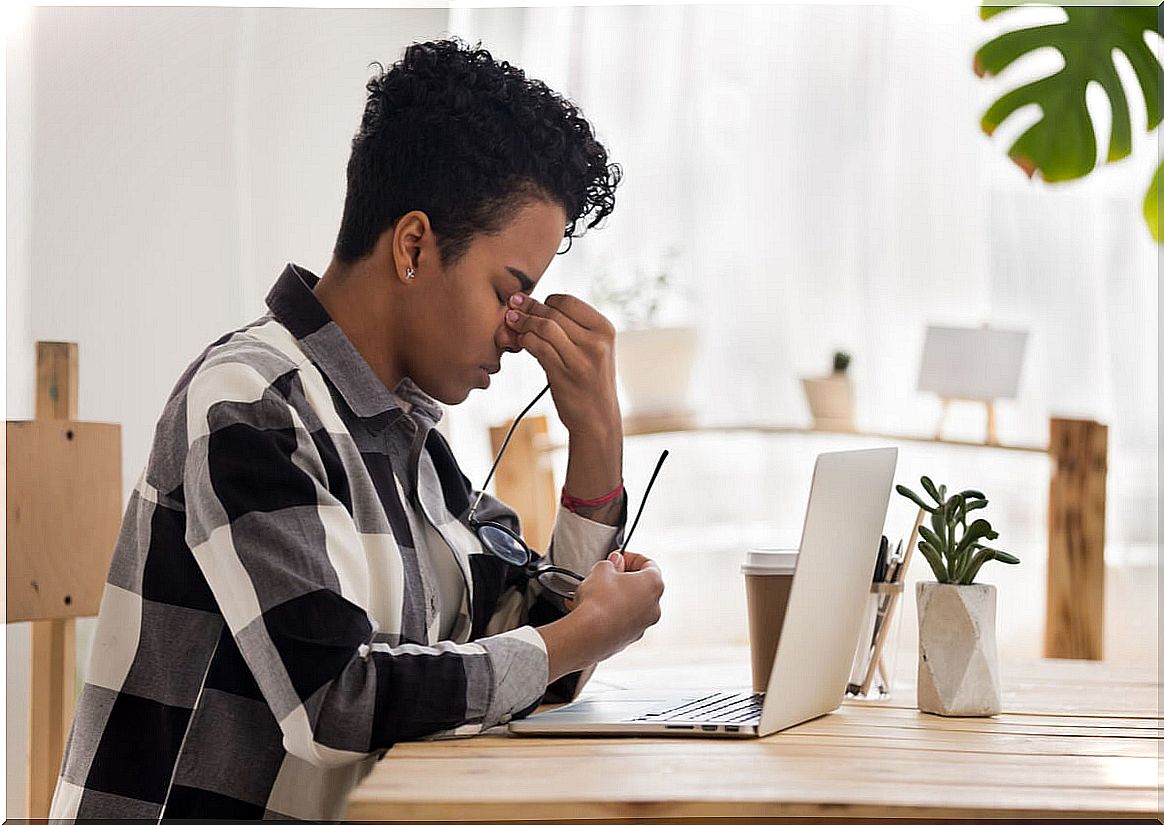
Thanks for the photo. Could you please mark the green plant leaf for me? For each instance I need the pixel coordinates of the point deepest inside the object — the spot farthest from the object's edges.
(931, 489)
(1062, 144)
(969, 494)
(1152, 205)
(976, 504)
(914, 497)
(980, 529)
(935, 541)
(935, 562)
(954, 509)
(938, 519)
(980, 558)
(976, 561)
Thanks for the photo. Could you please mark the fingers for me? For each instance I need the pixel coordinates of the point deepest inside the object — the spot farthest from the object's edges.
(542, 337)
(579, 312)
(565, 321)
(618, 560)
(637, 561)
(528, 305)
(545, 352)
(600, 566)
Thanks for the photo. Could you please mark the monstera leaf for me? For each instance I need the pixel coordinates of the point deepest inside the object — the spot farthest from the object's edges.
(1062, 145)
(1152, 205)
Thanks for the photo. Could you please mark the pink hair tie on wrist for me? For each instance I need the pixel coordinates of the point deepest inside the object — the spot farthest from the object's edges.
(572, 503)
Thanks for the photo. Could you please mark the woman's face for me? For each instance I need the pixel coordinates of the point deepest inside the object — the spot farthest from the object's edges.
(457, 321)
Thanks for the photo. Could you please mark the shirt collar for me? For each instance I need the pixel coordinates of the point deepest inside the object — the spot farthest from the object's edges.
(293, 303)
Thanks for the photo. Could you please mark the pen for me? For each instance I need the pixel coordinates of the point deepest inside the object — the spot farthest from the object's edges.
(879, 569)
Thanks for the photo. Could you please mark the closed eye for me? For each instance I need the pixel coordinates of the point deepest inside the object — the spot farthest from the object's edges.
(501, 299)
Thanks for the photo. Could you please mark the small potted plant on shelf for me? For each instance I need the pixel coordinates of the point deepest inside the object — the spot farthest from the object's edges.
(957, 668)
(654, 355)
(830, 399)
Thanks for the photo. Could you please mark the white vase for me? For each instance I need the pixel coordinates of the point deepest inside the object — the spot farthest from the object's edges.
(654, 368)
(830, 400)
(957, 665)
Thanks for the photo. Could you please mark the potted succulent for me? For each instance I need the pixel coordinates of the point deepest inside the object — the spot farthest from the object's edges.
(654, 357)
(957, 668)
(830, 399)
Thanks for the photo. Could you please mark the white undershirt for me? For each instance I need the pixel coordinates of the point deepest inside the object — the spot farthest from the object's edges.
(450, 582)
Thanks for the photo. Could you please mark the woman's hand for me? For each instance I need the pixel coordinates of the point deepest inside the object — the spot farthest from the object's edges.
(623, 563)
(629, 562)
(574, 343)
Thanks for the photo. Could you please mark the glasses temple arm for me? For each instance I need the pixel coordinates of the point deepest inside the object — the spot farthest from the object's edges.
(504, 444)
(643, 503)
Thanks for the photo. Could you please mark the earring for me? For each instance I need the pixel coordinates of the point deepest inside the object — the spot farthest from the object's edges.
(410, 273)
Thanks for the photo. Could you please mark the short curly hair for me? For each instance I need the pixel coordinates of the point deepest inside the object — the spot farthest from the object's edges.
(468, 140)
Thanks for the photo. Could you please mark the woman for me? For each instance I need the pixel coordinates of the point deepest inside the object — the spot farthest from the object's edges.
(298, 583)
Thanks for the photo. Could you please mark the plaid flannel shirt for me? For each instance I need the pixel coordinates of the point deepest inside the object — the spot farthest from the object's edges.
(268, 629)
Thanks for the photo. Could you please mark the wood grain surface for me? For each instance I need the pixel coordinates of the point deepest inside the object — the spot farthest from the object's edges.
(1074, 739)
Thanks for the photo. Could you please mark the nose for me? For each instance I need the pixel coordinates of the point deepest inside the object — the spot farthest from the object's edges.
(506, 339)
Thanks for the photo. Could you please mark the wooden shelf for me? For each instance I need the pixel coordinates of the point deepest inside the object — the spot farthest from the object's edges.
(633, 426)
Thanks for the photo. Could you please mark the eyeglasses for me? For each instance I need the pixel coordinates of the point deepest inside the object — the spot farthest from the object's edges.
(506, 545)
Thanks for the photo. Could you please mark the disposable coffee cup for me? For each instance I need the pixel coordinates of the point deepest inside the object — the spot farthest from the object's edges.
(768, 581)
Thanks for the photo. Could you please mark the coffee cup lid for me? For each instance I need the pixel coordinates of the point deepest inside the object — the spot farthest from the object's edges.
(770, 562)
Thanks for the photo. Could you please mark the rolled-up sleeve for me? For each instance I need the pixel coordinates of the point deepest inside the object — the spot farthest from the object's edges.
(577, 543)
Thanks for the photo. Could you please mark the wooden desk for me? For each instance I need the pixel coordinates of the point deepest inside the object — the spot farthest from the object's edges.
(1075, 739)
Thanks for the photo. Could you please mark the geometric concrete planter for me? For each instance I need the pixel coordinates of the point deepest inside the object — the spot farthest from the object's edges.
(957, 662)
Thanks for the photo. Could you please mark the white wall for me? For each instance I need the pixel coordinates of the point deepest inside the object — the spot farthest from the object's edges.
(164, 163)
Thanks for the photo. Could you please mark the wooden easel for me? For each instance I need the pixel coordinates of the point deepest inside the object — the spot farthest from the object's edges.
(64, 513)
(991, 425)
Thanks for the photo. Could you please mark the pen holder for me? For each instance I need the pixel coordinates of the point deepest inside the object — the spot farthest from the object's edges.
(871, 676)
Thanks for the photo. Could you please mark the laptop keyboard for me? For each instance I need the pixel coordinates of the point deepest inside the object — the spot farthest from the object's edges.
(722, 708)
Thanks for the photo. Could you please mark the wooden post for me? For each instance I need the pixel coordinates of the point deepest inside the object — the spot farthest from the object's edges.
(54, 641)
(525, 479)
(1075, 536)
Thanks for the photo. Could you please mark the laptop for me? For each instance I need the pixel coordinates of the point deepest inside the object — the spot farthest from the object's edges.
(838, 550)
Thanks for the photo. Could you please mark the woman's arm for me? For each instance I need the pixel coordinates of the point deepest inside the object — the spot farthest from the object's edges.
(282, 557)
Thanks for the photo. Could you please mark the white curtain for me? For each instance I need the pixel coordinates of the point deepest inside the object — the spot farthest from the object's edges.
(823, 174)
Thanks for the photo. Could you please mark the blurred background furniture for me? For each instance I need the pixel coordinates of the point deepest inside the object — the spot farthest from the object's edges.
(1075, 521)
(64, 513)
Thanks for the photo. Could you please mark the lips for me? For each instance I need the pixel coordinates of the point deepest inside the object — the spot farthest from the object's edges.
(491, 368)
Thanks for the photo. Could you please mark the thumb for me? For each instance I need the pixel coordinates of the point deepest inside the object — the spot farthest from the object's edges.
(618, 560)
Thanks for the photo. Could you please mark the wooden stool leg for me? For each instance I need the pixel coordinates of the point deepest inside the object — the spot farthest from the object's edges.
(54, 652)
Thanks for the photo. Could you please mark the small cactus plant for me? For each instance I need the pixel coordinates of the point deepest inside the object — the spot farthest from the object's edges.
(953, 548)
(840, 362)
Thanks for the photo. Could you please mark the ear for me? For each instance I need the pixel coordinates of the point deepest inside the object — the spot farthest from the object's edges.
(412, 245)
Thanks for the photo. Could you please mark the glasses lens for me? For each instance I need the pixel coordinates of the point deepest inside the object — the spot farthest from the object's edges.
(558, 583)
(502, 544)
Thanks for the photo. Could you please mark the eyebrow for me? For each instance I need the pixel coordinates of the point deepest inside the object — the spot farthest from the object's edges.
(526, 284)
